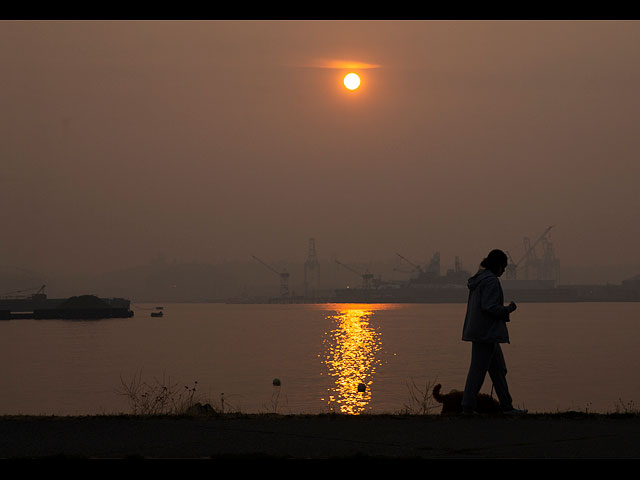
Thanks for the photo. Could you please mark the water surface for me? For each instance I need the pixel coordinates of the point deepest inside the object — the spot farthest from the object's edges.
(328, 357)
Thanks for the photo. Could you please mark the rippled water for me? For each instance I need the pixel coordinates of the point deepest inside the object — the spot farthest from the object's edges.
(328, 357)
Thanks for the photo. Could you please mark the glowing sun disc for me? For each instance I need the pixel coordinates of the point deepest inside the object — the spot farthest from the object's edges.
(351, 81)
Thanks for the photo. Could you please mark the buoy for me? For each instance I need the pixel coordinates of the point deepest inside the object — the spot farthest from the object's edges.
(276, 382)
(362, 387)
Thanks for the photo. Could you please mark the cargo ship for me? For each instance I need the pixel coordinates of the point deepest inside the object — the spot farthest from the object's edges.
(522, 291)
(82, 307)
(427, 285)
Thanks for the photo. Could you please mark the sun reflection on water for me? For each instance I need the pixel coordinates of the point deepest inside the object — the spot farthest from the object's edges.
(350, 356)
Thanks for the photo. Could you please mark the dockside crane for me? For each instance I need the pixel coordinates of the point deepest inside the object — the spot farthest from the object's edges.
(529, 255)
(311, 271)
(366, 277)
(284, 277)
(416, 267)
(35, 296)
(550, 264)
(511, 267)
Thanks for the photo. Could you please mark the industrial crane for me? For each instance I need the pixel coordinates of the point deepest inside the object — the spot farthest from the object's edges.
(366, 277)
(416, 267)
(284, 277)
(529, 254)
(39, 294)
(511, 268)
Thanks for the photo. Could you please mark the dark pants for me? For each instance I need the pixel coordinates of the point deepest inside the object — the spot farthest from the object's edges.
(486, 357)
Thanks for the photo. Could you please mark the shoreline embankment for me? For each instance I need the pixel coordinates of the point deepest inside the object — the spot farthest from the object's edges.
(569, 435)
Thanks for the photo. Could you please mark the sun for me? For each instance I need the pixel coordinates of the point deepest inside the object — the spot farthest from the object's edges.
(351, 81)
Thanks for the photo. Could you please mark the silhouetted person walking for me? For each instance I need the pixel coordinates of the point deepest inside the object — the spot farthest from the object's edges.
(485, 326)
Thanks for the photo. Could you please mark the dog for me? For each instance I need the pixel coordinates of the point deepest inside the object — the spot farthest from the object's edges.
(452, 402)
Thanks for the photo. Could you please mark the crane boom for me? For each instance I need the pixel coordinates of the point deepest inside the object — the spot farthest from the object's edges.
(348, 267)
(532, 246)
(40, 291)
(284, 277)
(366, 276)
(417, 267)
(266, 265)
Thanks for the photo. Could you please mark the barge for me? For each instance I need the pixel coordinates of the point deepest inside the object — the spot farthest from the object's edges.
(82, 307)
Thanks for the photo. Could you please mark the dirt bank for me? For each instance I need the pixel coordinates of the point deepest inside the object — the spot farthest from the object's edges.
(322, 436)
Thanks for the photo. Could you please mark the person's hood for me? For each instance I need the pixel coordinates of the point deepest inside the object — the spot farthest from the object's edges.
(479, 277)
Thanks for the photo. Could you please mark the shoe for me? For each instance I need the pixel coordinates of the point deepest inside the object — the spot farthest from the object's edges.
(515, 411)
(469, 412)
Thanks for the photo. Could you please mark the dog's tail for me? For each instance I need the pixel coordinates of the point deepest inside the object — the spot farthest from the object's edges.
(436, 393)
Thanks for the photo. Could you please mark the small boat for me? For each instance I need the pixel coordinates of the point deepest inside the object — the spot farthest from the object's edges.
(156, 314)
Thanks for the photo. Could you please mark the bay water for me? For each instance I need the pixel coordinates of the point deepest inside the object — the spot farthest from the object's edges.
(349, 358)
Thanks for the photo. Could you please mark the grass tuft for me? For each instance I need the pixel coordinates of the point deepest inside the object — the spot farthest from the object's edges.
(160, 397)
(421, 400)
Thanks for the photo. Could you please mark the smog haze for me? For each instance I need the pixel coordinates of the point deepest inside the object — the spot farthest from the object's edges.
(206, 142)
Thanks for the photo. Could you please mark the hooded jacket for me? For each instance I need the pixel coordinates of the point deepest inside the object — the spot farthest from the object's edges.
(487, 317)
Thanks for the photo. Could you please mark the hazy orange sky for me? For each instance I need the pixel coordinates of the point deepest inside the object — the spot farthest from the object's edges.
(213, 140)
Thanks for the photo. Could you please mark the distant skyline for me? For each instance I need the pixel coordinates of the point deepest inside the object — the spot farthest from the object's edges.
(208, 141)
